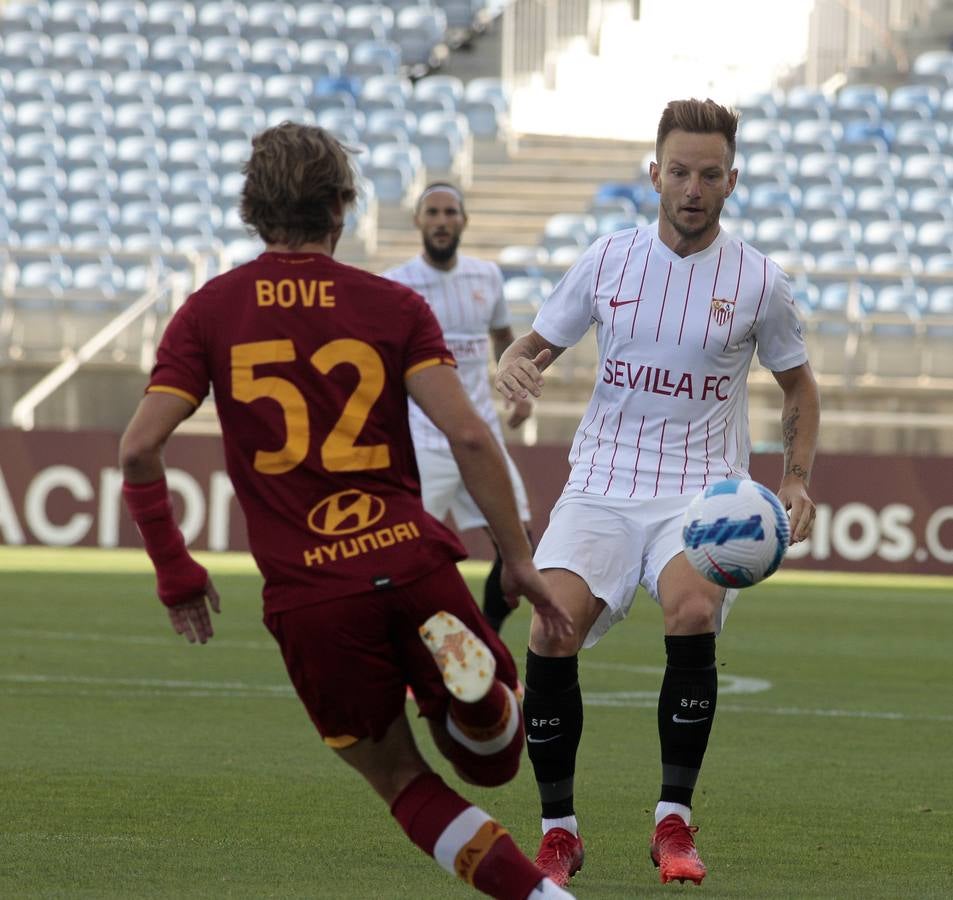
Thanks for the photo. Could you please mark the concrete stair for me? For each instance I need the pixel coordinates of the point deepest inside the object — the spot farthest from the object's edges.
(516, 188)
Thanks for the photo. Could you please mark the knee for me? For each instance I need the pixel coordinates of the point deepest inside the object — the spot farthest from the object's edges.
(692, 613)
(556, 645)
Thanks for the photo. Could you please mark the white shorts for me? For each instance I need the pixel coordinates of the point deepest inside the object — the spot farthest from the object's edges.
(443, 489)
(614, 546)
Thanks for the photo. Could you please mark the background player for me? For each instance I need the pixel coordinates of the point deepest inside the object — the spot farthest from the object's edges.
(466, 296)
(311, 362)
(679, 308)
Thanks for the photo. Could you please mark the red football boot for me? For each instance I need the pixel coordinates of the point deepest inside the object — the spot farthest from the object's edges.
(560, 855)
(673, 851)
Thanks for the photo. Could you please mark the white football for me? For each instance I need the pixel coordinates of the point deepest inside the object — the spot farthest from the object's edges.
(735, 533)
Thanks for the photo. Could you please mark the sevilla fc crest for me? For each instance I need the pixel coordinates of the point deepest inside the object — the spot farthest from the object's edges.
(721, 310)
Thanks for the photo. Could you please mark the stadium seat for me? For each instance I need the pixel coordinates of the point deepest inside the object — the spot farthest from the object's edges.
(389, 182)
(271, 56)
(771, 230)
(937, 318)
(487, 88)
(323, 50)
(889, 337)
(446, 85)
(440, 154)
(454, 125)
(339, 119)
(521, 260)
(570, 228)
(401, 120)
(886, 236)
(382, 57)
(485, 117)
(396, 88)
(327, 17)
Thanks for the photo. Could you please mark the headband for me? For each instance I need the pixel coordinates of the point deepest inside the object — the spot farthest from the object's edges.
(440, 189)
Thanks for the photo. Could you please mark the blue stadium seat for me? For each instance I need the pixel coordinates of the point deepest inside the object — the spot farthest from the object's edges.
(323, 50)
(328, 18)
(248, 120)
(774, 230)
(339, 118)
(390, 182)
(118, 16)
(439, 152)
(271, 56)
(379, 18)
(832, 235)
(181, 16)
(487, 88)
(374, 57)
(454, 125)
(934, 61)
(392, 119)
(922, 97)
(897, 264)
(278, 114)
(522, 260)
(865, 96)
(444, 85)
(173, 53)
(773, 200)
(397, 88)
(569, 228)
(486, 117)
(274, 13)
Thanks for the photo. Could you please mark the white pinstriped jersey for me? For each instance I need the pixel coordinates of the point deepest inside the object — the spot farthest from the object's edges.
(468, 302)
(676, 336)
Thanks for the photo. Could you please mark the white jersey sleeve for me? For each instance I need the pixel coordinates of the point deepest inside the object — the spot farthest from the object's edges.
(570, 310)
(500, 314)
(780, 341)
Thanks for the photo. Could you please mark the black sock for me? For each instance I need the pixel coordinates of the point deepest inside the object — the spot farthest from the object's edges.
(495, 607)
(552, 712)
(686, 710)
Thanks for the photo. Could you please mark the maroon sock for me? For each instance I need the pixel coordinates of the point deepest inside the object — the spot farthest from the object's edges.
(476, 849)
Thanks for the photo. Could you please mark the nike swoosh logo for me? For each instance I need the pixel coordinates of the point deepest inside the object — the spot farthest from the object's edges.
(533, 740)
(681, 721)
(614, 303)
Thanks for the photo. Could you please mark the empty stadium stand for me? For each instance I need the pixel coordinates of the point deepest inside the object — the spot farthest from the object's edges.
(123, 126)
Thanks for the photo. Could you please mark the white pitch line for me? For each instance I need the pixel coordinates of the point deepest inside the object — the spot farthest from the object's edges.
(146, 640)
(23, 684)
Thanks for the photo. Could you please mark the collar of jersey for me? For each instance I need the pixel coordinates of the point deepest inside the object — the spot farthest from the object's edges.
(720, 240)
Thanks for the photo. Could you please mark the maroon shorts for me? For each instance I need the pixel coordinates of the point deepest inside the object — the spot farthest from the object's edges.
(351, 659)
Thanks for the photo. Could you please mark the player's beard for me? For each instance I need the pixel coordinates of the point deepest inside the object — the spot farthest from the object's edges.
(694, 231)
(445, 253)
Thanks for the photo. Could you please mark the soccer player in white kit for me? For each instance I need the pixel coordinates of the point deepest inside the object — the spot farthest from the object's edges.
(466, 295)
(680, 307)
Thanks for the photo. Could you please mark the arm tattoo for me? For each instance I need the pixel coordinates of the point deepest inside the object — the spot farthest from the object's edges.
(789, 433)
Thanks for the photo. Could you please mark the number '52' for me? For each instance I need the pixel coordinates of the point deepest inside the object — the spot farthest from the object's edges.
(338, 452)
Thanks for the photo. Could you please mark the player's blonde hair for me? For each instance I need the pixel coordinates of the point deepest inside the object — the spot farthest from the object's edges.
(697, 117)
(298, 182)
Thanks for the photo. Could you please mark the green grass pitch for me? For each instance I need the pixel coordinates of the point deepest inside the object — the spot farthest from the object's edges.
(133, 765)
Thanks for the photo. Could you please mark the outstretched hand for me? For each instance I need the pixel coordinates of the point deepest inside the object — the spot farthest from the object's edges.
(523, 578)
(522, 376)
(192, 619)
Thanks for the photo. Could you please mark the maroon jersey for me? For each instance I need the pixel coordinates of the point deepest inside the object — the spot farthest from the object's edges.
(307, 359)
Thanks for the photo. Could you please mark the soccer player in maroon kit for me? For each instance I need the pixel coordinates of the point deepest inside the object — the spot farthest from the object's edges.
(311, 362)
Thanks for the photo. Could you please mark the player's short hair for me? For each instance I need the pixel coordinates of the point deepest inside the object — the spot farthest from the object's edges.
(294, 180)
(436, 186)
(697, 117)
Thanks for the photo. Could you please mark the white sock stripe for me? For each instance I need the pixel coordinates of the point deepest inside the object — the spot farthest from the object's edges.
(494, 745)
(456, 835)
